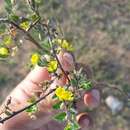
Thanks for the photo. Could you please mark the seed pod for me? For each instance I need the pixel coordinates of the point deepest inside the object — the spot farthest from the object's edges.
(92, 98)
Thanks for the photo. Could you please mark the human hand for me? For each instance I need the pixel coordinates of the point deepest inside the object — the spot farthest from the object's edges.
(25, 90)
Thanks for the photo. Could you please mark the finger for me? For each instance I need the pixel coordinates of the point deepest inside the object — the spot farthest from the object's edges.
(66, 61)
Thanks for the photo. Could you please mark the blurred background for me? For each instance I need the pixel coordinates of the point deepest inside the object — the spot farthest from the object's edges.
(100, 32)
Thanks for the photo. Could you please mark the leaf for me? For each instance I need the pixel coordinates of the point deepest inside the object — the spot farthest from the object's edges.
(4, 52)
(87, 85)
(38, 1)
(8, 6)
(8, 2)
(57, 105)
(73, 111)
(2, 28)
(8, 113)
(14, 17)
(72, 126)
(25, 25)
(42, 63)
(32, 109)
(54, 97)
(60, 117)
(7, 40)
(32, 99)
(74, 82)
(34, 17)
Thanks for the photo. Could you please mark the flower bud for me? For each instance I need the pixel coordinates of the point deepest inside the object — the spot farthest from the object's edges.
(92, 98)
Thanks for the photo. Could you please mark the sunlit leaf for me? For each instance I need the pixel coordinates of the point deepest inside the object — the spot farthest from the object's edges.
(25, 25)
(72, 126)
(87, 85)
(7, 40)
(57, 105)
(60, 117)
(4, 52)
(34, 17)
(32, 109)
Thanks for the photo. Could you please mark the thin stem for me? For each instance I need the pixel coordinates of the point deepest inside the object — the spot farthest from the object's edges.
(50, 41)
(25, 108)
(4, 20)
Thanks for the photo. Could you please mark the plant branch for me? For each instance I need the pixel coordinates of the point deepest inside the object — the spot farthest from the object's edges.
(50, 41)
(4, 20)
(25, 108)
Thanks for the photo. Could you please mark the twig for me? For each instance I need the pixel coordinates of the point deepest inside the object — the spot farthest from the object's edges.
(50, 41)
(4, 20)
(25, 108)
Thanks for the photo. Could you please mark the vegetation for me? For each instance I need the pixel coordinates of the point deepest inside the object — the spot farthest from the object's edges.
(47, 35)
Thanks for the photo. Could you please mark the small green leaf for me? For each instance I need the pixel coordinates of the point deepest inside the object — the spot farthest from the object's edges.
(8, 113)
(34, 17)
(87, 85)
(7, 40)
(73, 111)
(2, 28)
(54, 97)
(60, 117)
(74, 82)
(14, 17)
(4, 52)
(72, 126)
(32, 109)
(8, 6)
(38, 1)
(25, 25)
(57, 105)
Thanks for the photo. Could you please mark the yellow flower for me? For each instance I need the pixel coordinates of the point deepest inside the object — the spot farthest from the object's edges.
(65, 44)
(4, 52)
(35, 58)
(63, 94)
(52, 66)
